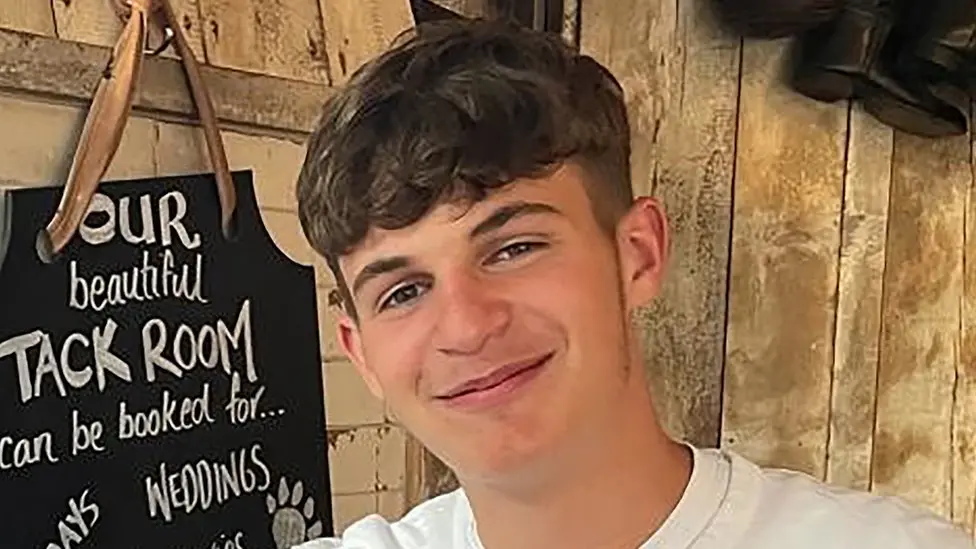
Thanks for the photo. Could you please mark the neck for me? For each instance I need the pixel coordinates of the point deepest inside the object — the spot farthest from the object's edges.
(612, 492)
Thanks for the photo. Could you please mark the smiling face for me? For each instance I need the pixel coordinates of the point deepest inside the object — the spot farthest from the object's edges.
(497, 332)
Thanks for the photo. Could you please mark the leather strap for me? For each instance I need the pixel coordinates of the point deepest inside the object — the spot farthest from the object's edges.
(106, 120)
(6, 222)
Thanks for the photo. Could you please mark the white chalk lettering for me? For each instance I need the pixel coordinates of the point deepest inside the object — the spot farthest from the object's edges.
(19, 453)
(148, 282)
(193, 412)
(229, 542)
(208, 345)
(204, 484)
(148, 235)
(85, 436)
(61, 371)
(75, 526)
(100, 204)
(171, 210)
(242, 409)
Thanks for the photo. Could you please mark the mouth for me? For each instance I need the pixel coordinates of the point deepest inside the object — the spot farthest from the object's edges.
(489, 389)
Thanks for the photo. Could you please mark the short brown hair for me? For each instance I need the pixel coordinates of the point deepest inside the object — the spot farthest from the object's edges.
(453, 110)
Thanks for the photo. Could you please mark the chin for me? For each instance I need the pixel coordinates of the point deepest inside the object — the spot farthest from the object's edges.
(494, 460)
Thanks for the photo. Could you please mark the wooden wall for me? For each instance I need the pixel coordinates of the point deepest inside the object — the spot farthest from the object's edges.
(820, 309)
(268, 82)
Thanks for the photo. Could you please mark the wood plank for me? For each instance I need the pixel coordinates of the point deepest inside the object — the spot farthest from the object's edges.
(426, 475)
(92, 22)
(283, 38)
(366, 459)
(920, 330)
(357, 30)
(858, 331)
(964, 399)
(571, 19)
(188, 13)
(350, 508)
(293, 39)
(182, 148)
(37, 65)
(680, 73)
(33, 16)
(96, 22)
(39, 152)
(783, 286)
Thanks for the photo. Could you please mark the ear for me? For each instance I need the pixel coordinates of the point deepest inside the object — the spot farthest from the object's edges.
(351, 342)
(643, 244)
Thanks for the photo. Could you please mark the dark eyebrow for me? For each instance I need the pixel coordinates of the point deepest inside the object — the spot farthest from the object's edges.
(378, 267)
(498, 219)
(508, 212)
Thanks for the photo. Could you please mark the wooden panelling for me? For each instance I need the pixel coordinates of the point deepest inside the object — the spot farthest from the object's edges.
(923, 294)
(964, 398)
(782, 295)
(681, 78)
(848, 346)
(858, 326)
(33, 16)
(36, 66)
(98, 23)
(283, 38)
(356, 30)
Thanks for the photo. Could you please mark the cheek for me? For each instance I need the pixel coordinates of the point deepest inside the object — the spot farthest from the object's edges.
(395, 355)
(585, 287)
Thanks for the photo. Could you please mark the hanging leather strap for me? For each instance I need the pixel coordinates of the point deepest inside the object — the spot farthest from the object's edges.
(6, 224)
(106, 120)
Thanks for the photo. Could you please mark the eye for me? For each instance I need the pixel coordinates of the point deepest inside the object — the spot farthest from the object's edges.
(515, 250)
(402, 295)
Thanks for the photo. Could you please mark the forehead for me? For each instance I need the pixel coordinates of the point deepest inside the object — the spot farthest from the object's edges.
(564, 189)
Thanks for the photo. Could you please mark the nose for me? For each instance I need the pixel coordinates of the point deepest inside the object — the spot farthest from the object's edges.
(471, 315)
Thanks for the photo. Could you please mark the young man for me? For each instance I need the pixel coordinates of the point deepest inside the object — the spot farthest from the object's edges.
(471, 191)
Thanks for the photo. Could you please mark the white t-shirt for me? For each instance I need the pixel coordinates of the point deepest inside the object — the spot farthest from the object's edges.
(729, 503)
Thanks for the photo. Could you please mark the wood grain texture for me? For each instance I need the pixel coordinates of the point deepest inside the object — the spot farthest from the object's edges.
(189, 15)
(964, 398)
(96, 22)
(920, 330)
(283, 38)
(858, 328)
(785, 242)
(680, 74)
(33, 16)
(88, 21)
(570, 22)
(69, 72)
(357, 30)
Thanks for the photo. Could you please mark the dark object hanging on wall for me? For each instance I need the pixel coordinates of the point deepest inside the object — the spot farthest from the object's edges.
(858, 55)
(426, 11)
(944, 52)
(771, 19)
(544, 15)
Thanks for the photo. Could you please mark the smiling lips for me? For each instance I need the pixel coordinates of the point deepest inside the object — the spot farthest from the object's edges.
(491, 389)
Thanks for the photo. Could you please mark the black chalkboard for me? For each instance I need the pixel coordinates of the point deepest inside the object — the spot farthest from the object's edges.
(161, 392)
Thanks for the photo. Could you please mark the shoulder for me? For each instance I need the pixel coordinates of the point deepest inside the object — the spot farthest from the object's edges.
(438, 523)
(797, 506)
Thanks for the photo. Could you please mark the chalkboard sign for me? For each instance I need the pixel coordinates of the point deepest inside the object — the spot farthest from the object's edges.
(160, 385)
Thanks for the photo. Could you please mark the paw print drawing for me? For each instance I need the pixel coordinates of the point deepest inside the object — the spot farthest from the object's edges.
(289, 525)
